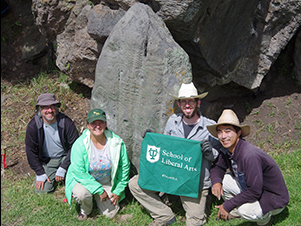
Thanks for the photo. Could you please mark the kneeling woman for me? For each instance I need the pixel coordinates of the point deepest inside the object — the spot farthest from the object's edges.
(99, 168)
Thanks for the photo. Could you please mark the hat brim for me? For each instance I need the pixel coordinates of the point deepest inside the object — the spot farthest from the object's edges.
(92, 119)
(46, 103)
(201, 96)
(245, 129)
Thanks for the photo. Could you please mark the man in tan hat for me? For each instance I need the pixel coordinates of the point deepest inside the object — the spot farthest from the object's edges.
(189, 124)
(49, 138)
(254, 189)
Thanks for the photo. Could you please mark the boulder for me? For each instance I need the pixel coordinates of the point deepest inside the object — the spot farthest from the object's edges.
(81, 42)
(51, 16)
(231, 41)
(139, 66)
(77, 51)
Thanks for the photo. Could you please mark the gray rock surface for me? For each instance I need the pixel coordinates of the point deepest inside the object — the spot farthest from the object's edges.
(229, 43)
(51, 16)
(139, 66)
(77, 51)
(297, 58)
(101, 21)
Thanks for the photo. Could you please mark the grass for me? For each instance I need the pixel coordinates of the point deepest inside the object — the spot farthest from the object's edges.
(21, 206)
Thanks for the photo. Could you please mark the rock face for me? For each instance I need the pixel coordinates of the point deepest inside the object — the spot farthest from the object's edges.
(77, 51)
(231, 41)
(228, 42)
(297, 58)
(139, 66)
(51, 16)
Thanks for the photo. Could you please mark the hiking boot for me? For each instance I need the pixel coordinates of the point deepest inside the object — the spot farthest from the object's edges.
(81, 217)
(155, 223)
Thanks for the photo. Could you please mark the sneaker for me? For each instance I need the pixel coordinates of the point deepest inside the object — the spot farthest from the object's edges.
(155, 223)
(81, 217)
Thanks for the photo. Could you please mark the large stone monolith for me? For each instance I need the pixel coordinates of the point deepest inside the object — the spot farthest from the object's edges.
(139, 66)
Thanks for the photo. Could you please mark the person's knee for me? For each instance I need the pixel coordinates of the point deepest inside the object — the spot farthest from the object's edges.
(196, 220)
(80, 193)
(250, 211)
(133, 184)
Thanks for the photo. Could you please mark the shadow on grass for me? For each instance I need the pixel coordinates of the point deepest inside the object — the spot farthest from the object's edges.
(282, 216)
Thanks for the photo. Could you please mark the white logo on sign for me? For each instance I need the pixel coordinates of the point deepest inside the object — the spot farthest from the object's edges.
(152, 153)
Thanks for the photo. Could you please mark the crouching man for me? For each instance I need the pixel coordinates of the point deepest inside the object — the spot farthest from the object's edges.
(254, 189)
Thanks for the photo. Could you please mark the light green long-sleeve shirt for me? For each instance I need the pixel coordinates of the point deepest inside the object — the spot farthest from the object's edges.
(78, 171)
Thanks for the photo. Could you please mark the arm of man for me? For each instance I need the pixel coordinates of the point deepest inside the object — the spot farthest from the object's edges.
(210, 148)
(32, 148)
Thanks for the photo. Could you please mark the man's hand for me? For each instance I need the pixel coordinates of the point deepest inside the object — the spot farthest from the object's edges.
(115, 199)
(222, 213)
(206, 147)
(104, 196)
(40, 184)
(59, 179)
(217, 190)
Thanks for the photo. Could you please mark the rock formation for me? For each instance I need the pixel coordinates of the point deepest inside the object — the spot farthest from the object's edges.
(228, 42)
(139, 66)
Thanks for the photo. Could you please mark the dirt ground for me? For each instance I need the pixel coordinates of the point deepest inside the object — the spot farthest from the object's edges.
(273, 113)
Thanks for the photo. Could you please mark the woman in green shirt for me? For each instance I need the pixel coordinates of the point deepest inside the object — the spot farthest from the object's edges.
(99, 168)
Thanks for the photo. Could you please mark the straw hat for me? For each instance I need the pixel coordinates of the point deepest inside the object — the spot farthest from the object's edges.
(229, 117)
(187, 91)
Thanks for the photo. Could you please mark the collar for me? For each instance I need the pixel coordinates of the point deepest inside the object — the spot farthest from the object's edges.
(200, 123)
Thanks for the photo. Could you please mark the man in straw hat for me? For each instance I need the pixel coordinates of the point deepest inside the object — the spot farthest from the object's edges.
(189, 124)
(49, 138)
(254, 189)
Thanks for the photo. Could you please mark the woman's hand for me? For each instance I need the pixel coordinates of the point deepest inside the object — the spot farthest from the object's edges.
(104, 196)
(114, 199)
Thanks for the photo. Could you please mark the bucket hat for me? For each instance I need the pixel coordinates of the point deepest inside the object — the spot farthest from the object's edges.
(46, 99)
(187, 91)
(229, 117)
(96, 114)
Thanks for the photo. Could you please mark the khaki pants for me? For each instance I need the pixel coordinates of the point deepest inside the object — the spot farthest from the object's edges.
(85, 199)
(50, 170)
(249, 211)
(195, 208)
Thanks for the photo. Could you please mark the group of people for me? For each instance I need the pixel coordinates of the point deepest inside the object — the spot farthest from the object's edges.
(95, 165)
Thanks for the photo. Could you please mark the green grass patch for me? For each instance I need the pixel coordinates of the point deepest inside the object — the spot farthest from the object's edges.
(21, 206)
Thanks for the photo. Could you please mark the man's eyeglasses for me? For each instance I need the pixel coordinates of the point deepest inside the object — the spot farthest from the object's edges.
(47, 107)
(185, 102)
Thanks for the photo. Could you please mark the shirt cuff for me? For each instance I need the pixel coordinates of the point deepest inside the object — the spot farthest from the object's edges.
(60, 172)
(42, 177)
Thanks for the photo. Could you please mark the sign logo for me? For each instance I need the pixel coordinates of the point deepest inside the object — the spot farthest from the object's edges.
(152, 153)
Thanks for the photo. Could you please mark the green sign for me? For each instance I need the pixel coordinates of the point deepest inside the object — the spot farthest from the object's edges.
(170, 164)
